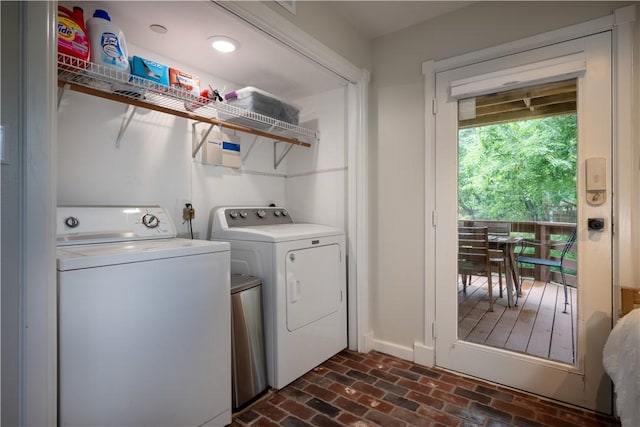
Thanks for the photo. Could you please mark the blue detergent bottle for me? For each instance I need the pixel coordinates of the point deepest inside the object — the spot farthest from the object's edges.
(108, 46)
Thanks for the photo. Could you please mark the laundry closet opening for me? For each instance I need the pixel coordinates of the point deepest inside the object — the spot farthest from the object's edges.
(155, 160)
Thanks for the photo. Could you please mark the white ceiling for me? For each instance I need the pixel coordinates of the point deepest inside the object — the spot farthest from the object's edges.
(261, 61)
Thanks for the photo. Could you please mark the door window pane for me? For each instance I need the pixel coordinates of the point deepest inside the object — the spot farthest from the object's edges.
(517, 160)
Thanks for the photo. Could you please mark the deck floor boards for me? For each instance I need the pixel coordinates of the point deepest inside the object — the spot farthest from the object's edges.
(521, 333)
(537, 326)
(505, 325)
(562, 338)
(540, 340)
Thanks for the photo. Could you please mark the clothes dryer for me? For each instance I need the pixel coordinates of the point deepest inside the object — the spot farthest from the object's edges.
(303, 272)
(143, 321)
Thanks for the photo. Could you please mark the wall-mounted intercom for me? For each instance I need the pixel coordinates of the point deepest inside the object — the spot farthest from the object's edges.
(596, 188)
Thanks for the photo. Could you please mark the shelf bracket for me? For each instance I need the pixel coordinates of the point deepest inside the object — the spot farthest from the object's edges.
(194, 139)
(129, 111)
(276, 160)
(255, 139)
(60, 93)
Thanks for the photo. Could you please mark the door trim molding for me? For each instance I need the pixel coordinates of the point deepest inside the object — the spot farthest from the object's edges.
(38, 267)
(356, 216)
(626, 271)
(431, 216)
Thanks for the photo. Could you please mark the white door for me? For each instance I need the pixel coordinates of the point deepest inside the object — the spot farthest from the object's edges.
(313, 284)
(583, 383)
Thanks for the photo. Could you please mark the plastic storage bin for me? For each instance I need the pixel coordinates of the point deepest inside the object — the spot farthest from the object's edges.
(249, 367)
(261, 102)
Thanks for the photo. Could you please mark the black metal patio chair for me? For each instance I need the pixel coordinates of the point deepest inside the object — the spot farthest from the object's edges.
(557, 262)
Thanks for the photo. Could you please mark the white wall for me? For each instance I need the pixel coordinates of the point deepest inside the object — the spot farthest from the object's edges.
(318, 19)
(397, 142)
(316, 178)
(154, 164)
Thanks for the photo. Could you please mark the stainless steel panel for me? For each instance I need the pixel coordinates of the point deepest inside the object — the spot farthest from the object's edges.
(248, 361)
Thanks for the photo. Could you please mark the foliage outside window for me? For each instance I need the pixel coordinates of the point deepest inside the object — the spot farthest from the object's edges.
(519, 171)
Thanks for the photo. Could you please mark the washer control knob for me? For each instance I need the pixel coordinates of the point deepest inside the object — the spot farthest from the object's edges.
(284, 213)
(243, 214)
(71, 222)
(292, 257)
(276, 213)
(150, 221)
(233, 214)
(261, 213)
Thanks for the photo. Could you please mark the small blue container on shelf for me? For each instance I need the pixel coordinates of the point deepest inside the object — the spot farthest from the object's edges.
(150, 70)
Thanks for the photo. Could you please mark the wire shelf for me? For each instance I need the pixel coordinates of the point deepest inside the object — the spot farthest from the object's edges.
(124, 87)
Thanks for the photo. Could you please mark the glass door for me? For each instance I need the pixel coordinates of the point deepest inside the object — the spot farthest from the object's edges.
(528, 170)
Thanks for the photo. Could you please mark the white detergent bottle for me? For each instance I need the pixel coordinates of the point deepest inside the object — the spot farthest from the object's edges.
(107, 42)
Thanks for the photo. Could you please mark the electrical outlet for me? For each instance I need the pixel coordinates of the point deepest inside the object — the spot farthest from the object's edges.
(188, 213)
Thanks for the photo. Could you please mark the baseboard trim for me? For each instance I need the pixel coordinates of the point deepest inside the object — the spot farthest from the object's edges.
(405, 353)
(424, 355)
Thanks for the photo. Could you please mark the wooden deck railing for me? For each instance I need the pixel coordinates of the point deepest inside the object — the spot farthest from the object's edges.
(551, 232)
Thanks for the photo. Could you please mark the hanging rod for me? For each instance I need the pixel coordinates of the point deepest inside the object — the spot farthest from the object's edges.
(138, 103)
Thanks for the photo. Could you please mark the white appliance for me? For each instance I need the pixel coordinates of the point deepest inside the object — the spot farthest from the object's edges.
(302, 267)
(143, 321)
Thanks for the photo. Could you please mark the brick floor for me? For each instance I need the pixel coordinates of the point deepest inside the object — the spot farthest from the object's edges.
(354, 389)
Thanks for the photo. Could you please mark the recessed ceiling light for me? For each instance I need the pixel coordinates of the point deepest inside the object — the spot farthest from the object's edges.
(223, 43)
(157, 28)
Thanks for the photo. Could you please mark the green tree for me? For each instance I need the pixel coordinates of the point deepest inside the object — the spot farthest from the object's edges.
(518, 171)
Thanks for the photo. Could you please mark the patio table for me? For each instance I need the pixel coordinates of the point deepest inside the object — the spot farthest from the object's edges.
(507, 245)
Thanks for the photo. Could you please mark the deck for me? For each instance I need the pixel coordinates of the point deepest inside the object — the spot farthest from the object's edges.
(537, 326)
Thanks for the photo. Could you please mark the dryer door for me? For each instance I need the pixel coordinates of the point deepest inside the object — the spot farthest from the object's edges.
(313, 284)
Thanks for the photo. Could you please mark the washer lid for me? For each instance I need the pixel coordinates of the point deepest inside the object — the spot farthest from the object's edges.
(104, 254)
(277, 233)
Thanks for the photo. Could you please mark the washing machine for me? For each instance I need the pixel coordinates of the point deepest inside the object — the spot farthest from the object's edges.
(143, 321)
(303, 273)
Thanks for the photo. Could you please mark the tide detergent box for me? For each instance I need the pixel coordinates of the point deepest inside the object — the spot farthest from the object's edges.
(149, 70)
(181, 80)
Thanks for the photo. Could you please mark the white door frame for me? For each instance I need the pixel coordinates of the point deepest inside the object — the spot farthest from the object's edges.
(625, 184)
(589, 60)
(36, 246)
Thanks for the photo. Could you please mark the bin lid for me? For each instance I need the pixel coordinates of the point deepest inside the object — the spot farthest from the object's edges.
(242, 282)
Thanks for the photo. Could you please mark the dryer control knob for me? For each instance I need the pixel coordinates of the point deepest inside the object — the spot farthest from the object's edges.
(261, 213)
(284, 213)
(150, 221)
(243, 214)
(276, 213)
(71, 222)
(233, 214)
